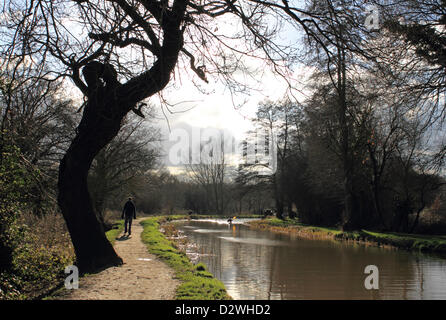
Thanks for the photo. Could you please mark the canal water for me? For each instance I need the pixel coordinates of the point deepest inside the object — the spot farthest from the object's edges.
(263, 265)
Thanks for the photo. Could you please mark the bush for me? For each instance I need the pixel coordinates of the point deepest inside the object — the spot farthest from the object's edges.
(34, 250)
(42, 249)
(14, 186)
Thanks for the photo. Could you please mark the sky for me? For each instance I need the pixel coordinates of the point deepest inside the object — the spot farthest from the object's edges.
(215, 110)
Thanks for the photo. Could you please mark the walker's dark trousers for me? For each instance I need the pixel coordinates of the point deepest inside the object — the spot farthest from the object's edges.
(128, 220)
(128, 213)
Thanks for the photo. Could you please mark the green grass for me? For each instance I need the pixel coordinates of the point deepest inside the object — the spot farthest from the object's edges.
(425, 243)
(113, 233)
(197, 282)
(294, 226)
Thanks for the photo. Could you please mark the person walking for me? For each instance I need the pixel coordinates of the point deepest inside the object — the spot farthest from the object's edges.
(129, 213)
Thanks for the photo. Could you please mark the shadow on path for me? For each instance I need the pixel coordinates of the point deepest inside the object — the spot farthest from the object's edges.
(122, 238)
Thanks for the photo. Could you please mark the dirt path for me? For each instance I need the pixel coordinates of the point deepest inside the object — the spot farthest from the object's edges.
(142, 276)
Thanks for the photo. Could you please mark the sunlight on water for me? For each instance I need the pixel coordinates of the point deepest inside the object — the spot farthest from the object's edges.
(265, 242)
(209, 231)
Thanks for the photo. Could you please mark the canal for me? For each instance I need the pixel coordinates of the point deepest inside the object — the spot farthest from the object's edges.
(263, 265)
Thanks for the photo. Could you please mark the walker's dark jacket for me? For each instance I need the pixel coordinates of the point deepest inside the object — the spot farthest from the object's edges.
(129, 210)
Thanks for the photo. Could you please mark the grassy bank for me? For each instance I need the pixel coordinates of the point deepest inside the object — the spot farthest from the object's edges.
(116, 229)
(433, 244)
(197, 282)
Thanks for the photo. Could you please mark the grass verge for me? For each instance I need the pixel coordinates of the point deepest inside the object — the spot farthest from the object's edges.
(291, 226)
(116, 229)
(197, 282)
(424, 243)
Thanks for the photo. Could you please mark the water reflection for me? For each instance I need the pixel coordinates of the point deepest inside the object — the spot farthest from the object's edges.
(264, 265)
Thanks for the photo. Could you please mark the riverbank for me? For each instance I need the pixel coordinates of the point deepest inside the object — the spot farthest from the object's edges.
(196, 282)
(423, 243)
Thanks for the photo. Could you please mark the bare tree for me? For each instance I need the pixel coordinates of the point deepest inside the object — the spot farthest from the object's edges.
(210, 173)
(37, 120)
(276, 118)
(127, 52)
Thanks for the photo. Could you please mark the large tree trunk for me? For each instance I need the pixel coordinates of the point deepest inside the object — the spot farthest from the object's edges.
(279, 207)
(93, 250)
(100, 192)
(349, 218)
(108, 103)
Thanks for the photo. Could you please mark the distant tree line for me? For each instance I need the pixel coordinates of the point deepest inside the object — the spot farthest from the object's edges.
(364, 149)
